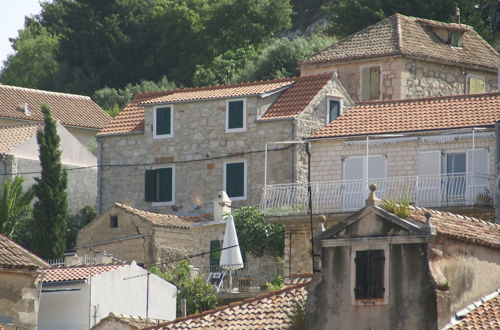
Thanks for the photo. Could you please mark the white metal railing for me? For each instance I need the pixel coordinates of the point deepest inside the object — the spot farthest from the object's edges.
(252, 277)
(349, 195)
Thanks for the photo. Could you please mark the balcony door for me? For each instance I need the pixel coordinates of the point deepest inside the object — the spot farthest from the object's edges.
(356, 179)
(477, 175)
(429, 185)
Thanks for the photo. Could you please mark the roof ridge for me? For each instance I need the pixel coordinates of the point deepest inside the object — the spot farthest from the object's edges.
(21, 125)
(28, 254)
(41, 91)
(141, 213)
(115, 263)
(237, 303)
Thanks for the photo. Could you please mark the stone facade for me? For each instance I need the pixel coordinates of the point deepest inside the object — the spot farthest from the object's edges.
(199, 149)
(404, 77)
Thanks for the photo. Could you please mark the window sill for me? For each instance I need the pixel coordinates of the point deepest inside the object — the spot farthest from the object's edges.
(242, 198)
(162, 203)
(162, 136)
(235, 130)
(370, 302)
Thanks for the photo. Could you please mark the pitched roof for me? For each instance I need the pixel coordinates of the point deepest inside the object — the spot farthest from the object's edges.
(78, 272)
(413, 115)
(69, 109)
(294, 100)
(483, 314)
(134, 322)
(12, 136)
(410, 36)
(299, 91)
(459, 227)
(14, 256)
(266, 311)
(165, 220)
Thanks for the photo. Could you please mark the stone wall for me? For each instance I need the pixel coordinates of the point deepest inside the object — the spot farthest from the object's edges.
(425, 79)
(19, 298)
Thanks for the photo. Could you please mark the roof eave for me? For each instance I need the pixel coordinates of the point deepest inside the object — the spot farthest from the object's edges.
(98, 136)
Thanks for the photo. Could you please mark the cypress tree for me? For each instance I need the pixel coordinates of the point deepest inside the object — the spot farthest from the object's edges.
(50, 211)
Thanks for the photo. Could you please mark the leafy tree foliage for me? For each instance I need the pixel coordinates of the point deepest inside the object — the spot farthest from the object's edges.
(76, 222)
(200, 296)
(257, 236)
(349, 16)
(15, 207)
(50, 211)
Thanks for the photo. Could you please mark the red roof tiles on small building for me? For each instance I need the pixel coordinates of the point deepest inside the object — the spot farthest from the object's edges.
(483, 315)
(79, 272)
(12, 136)
(69, 109)
(413, 115)
(400, 35)
(266, 311)
(14, 256)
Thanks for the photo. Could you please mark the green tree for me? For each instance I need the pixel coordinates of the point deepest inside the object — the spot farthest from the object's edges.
(257, 236)
(15, 207)
(50, 211)
(76, 222)
(200, 296)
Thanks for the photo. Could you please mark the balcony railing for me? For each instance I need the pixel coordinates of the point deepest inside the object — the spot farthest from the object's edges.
(458, 189)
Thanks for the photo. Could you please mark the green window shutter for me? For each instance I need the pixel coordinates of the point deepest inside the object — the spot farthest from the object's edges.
(365, 84)
(235, 114)
(376, 273)
(476, 85)
(235, 179)
(150, 186)
(215, 252)
(456, 38)
(374, 83)
(361, 288)
(163, 121)
(166, 184)
(333, 109)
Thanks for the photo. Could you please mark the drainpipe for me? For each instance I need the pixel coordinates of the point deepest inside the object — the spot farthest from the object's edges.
(294, 150)
(497, 179)
(309, 193)
(99, 176)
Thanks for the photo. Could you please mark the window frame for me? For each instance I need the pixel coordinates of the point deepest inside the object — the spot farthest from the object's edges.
(244, 114)
(370, 301)
(155, 110)
(245, 177)
(163, 203)
(360, 92)
(474, 76)
(460, 38)
(332, 98)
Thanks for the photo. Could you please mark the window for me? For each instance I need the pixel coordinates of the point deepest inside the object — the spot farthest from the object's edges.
(163, 119)
(159, 186)
(370, 267)
(333, 110)
(235, 179)
(236, 116)
(370, 83)
(113, 221)
(475, 85)
(215, 252)
(455, 38)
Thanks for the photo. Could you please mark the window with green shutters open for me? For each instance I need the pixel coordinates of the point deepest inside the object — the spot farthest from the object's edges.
(236, 116)
(160, 186)
(370, 267)
(235, 177)
(370, 83)
(333, 110)
(163, 122)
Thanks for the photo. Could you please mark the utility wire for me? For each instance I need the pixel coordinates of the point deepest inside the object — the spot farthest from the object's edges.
(159, 163)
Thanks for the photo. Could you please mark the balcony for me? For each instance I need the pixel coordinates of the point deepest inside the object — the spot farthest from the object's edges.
(457, 189)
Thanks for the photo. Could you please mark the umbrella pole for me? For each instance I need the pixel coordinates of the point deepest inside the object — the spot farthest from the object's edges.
(230, 280)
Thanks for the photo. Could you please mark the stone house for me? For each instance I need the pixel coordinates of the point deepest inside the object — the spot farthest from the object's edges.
(77, 297)
(435, 152)
(19, 286)
(19, 155)
(124, 322)
(383, 271)
(78, 114)
(404, 57)
(177, 148)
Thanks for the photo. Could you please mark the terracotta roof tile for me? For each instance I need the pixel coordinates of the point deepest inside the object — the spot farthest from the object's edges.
(467, 229)
(165, 220)
(12, 255)
(79, 272)
(482, 315)
(413, 115)
(299, 91)
(69, 109)
(135, 322)
(266, 311)
(294, 100)
(12, 136)
(410, 36)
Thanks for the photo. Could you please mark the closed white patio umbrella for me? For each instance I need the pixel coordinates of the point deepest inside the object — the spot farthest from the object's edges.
(230, 257)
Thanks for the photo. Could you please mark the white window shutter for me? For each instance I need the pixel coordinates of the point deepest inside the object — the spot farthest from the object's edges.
(477, 171)
(429, 187)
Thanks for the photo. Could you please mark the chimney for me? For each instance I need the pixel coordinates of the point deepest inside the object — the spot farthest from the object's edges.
(72, 260)
(222, 206)
(457, 14)
(26, 109)
(101, 257)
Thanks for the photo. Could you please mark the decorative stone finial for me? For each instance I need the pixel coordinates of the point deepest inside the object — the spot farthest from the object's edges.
(427, 215)
(322, 221)
(429, 228)
(372, 198)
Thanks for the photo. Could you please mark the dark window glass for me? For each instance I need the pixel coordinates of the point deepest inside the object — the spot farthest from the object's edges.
(159, 185)
(113, 221)
(235, 179)
(333, 109)
(369, 274)
(235, 115)
(215, 252)
(163, 121)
